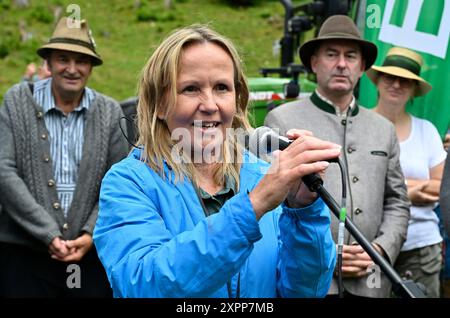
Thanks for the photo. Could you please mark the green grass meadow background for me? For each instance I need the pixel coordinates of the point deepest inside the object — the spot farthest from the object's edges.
(127, 32)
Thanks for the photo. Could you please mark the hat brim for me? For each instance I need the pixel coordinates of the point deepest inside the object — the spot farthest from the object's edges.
(422, 88)
(44, 51)
(368, 49)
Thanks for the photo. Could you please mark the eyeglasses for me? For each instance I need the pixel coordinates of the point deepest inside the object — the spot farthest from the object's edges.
(391, 79)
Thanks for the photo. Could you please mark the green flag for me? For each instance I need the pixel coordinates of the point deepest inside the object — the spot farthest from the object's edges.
(419, 25)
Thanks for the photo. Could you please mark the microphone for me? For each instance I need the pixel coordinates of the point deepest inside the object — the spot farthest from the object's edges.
(264, 140)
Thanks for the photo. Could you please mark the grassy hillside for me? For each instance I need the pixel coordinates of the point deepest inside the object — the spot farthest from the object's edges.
(126, 33)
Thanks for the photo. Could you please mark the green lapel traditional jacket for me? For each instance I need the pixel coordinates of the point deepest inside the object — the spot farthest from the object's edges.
(377, 200)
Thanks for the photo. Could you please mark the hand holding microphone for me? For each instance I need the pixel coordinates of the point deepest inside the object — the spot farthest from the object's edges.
(303, 156)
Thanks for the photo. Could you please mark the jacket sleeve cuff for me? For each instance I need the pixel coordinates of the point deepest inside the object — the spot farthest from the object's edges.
(244, 216)
(306, 213)
(390, 254)
(50, 236)
(90, 223)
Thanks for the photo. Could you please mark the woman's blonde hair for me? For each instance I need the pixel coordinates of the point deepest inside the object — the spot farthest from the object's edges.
(157, 94)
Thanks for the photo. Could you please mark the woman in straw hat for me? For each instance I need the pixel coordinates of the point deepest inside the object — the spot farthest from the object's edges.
(422, 160)
(204, 220)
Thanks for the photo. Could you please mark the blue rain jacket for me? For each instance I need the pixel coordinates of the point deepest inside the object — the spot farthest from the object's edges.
(154, 240)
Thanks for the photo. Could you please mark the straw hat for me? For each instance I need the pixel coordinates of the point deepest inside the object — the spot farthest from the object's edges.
(338, 27)
(72, 39)
(404, 63)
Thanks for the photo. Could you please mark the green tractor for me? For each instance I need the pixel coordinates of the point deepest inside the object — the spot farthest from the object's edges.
(294, 80)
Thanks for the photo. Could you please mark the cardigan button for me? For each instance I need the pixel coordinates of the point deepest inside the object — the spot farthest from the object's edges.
(358, 211)
(51, 183)
(56, 205)
(39, 115)
(44, 136)
(65, 226)
(350, 149)
(46, 159)
(355, 179)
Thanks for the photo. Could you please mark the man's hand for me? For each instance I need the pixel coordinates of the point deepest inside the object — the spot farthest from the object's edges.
(77, 248)
(58, 248)
(355, 261)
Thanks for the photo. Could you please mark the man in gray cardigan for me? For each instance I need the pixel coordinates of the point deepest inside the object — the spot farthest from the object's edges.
(58, 138)
(377, 200)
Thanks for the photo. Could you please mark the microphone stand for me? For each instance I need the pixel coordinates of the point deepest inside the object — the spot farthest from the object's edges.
(402, 288)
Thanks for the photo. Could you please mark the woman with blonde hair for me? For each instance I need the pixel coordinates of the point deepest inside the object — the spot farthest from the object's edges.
(422, 158)
(191, 213)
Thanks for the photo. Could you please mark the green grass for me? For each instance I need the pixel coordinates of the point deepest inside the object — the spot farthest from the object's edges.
(125, 43)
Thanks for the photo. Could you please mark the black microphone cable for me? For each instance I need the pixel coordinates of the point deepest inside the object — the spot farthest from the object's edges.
(314, 182)
(341, 229)
(123, 133)
(343, 211)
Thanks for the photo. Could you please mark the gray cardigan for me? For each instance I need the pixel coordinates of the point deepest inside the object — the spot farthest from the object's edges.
(377, 199)
(444, 197)
(31, 214)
